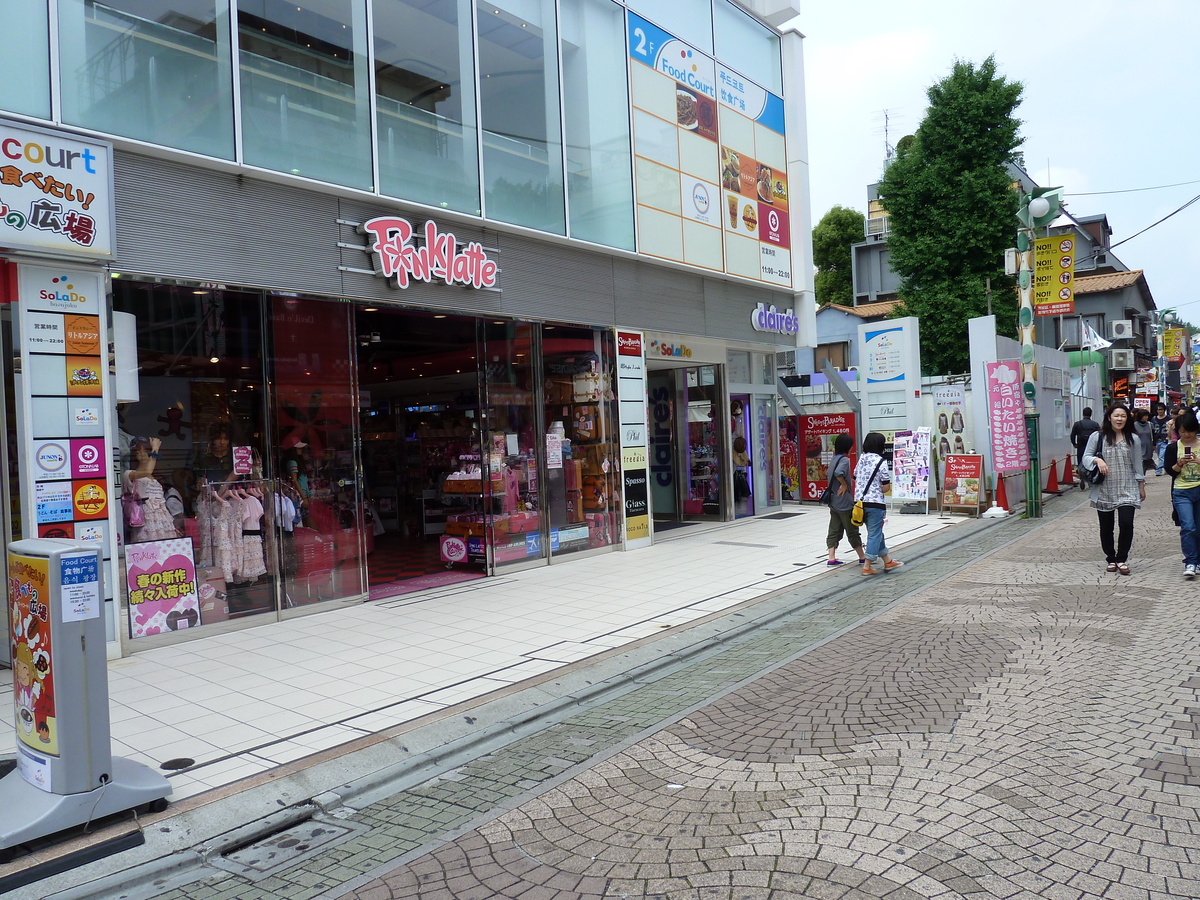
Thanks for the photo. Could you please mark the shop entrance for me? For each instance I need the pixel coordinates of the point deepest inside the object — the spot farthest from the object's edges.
(689, 461)
(421, 425)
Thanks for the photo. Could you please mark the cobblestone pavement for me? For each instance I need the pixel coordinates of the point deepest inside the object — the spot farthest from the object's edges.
(1001, 720)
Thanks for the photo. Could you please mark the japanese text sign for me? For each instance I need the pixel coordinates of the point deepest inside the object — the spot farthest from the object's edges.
(1054, 275)
(1006, 416)
(55, 192)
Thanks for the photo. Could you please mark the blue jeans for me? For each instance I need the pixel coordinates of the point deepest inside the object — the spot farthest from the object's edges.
(1187, 504)
(876, 545)
(1160, 452)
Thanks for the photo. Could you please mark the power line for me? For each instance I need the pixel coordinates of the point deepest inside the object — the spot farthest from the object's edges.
(1159, 222)
(1157, 187)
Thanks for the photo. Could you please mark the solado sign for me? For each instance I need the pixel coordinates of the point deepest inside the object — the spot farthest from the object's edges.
(441, 258)
(766, 318)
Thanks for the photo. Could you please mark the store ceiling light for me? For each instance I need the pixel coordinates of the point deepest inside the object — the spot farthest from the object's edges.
(214, 359)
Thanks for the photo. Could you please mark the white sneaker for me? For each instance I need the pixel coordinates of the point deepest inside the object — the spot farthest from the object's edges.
(1189, 571)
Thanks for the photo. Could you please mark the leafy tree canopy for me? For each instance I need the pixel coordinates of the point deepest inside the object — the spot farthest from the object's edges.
(952, 211)
(838, 230)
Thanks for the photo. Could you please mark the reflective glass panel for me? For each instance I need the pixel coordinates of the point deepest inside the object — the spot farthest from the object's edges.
(315, 420)
(518, 89)
(25, 57)
(583, 487)
(425, 99)
(596, 111)
(192, 455)
(305, 98)
(151, 70)
(688, 20)
(747, 46)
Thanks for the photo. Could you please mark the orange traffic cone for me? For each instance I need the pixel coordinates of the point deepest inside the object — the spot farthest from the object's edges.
(1052, 481)
(1068, 471)
(1001, 496)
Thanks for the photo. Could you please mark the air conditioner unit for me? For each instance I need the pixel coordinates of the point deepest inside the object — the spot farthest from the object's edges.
(1123, 359)
(1120, 329)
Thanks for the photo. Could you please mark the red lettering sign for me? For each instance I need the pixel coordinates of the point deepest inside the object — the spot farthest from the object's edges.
(629, 344)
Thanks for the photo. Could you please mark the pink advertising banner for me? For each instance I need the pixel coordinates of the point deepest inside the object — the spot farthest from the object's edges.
(1006, 416)
(161, 576)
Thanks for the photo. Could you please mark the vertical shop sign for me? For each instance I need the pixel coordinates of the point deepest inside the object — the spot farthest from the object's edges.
(1006, 417)
(55, 193)
(161, 577)
(631, 398)
(62, 388)
(815, 441)
(32, 655)
(950, 432)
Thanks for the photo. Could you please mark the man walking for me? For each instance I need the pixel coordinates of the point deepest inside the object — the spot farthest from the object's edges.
(1160, 426)
(1080, 432)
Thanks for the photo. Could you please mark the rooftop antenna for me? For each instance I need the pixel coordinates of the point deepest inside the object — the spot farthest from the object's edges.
(889, 150)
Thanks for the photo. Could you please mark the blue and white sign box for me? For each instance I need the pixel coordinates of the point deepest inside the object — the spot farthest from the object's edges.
(889, 374)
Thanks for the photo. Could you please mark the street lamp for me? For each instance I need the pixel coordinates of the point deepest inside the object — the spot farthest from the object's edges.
(1162, 318)
(1038, 208)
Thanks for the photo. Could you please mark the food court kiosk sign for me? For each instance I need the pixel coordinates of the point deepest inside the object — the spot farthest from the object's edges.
(55, 193)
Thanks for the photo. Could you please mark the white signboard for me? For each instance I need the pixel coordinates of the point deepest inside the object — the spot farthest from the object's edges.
(56, 192)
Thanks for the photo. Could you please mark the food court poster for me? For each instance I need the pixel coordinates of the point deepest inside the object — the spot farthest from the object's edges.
(710, 162)
(32, 656)
(161, 577)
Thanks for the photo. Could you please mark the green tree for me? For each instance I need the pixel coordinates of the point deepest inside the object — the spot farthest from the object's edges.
(952, 207)
(838, 230)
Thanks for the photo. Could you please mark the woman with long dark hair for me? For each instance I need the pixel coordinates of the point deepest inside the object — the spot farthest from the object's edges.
(872, 482)
(1116, 453)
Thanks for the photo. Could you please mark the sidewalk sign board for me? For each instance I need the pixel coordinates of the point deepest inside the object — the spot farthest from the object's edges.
(961, 486)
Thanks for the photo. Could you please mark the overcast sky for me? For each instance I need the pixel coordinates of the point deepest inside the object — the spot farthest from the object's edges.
(1111, 103)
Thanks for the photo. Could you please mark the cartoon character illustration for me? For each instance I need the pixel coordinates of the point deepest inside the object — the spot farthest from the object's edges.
(174, 422)
(32, 700)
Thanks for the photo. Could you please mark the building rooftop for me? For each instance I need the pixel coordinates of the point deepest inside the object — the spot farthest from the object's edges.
(1095, 284)
(865, 310)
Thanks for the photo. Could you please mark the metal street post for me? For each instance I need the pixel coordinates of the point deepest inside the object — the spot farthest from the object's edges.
(1038, 208)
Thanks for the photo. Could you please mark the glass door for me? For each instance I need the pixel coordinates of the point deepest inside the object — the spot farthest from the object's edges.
(705, 450)
(742, 457)
(510, 425)
(316, 452)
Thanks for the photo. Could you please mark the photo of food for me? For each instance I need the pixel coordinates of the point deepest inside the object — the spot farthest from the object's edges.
(731, 170)
(685, 109)
(750, 217)
(766, 189)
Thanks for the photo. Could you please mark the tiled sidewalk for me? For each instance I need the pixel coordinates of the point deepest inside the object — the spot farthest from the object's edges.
(244, 703)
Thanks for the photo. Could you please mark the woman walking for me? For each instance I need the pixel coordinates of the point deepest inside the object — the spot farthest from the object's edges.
(841, 502)
(1116, 452)
(1182, 462)
(872, 480)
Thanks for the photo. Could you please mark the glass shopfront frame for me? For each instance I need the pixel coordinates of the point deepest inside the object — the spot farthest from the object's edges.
(267, 434)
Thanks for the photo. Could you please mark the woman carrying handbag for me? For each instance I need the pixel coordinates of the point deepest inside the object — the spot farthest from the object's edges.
(1116, 453)
(873, 479)
(841, 502)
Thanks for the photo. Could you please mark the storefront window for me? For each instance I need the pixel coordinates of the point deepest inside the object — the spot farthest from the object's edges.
(315, 418)
(519, 98)
(766, 481)
(194, 495)
(515, 491)
(425, 99)
(25, 58)
(146, 69)
(583, 489)
(596, 110)
(747, 46)
(705, 453)
(305, 97)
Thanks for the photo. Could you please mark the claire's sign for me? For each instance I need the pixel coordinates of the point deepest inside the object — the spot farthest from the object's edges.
(440, 258)
(771, 319)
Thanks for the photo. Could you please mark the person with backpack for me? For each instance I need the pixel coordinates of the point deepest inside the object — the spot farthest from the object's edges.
(841, 502)
(873, 481)
(1080, 432)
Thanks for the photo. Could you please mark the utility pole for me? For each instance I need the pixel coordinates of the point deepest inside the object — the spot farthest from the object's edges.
(1038, 208)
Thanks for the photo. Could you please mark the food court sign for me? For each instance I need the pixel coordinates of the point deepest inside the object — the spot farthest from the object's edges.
(55, 193)
(440, 256)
